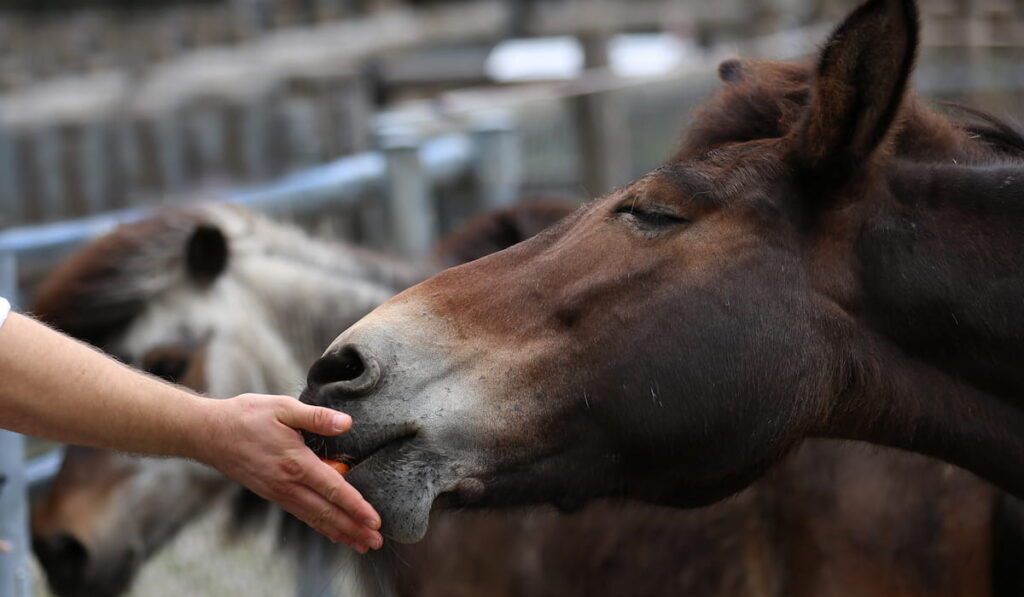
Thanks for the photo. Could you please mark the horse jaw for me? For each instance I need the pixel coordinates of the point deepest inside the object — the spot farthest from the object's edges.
(403, 490)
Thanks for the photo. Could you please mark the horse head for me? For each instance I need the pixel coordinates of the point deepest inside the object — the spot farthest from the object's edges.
(676, 337)
(190, 296)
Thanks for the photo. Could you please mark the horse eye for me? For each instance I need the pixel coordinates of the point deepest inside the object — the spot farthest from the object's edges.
(650, 218)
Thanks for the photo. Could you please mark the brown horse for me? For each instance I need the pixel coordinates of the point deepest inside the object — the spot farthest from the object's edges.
(677, 337)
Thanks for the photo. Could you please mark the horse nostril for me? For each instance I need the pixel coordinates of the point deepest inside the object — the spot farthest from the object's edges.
(62, 554)
(350, 369)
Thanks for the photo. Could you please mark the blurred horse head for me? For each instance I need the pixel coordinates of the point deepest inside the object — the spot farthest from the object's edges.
(222, 301)
(216, 298)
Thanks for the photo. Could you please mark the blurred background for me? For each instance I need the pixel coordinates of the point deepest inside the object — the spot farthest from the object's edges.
(108, 106)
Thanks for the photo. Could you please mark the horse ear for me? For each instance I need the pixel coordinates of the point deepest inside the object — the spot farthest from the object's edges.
(206, 253)
(861, 80)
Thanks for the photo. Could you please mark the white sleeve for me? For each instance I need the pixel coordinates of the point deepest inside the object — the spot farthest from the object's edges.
(5, 308)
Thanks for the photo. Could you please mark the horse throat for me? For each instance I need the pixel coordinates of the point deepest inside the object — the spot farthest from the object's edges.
(897, 400)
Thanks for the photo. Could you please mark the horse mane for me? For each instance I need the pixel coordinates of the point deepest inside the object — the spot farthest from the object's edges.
(767, 99)
(760, 100)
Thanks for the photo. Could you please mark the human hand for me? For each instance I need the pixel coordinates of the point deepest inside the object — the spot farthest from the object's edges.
(253, 439)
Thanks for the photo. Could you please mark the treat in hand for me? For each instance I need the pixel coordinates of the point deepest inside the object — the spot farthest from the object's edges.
(341, 467)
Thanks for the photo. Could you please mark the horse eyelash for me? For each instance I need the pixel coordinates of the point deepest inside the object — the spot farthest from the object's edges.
(653, 217)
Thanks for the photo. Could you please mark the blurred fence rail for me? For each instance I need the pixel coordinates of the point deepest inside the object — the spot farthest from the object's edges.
(105, 110)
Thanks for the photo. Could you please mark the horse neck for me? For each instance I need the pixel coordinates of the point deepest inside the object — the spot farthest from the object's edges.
(935, 363)
(942, 270)
(893, 399)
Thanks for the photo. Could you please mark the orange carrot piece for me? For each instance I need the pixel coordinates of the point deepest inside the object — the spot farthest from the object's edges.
(341, 467)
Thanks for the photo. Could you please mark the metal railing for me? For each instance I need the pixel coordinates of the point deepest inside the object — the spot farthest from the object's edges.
(403, 172)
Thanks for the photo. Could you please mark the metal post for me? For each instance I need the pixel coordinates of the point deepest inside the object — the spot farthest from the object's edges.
(15, 575)
(498, 165)
(409, 209)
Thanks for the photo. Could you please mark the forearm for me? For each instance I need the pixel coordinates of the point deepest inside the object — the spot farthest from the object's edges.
(54, 387)
(57, 388)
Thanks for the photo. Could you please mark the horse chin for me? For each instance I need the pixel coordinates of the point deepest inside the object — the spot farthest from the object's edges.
(402, 481)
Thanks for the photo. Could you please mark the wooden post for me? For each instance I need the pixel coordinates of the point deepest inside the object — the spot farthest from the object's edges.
(410, 211)
(15, 575)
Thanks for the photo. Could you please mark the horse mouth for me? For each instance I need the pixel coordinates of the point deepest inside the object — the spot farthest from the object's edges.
(359, 450)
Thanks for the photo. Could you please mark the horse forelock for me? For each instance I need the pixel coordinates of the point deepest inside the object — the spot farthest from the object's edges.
(743, 111)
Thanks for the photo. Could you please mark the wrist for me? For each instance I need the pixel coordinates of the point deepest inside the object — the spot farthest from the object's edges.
(201, 427)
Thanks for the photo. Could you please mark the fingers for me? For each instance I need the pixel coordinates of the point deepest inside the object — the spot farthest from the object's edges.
(333, 487)
(331, 521)
(320, 420)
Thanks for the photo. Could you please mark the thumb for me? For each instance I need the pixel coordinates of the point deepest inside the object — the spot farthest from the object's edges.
(317, 419)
